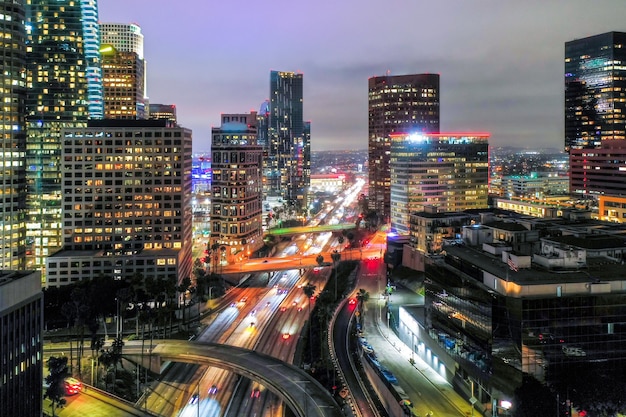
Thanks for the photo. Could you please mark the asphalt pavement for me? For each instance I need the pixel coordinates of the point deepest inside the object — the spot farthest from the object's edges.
(429, 392)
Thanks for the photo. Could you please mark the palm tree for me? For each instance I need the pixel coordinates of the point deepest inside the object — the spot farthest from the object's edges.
(340, 240)
(336, 257)
(320, 260)
(362, 297)
(57, 372)
(214, 251)
(182, 288)
(309, 290)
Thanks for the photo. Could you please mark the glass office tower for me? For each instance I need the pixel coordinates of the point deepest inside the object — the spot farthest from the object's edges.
(396, 104)
(59, 88)
(287, 169)
(595, 90)
(13, 131)
(449, 171)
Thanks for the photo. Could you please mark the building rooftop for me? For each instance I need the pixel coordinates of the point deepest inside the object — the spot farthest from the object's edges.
(598, 269)
(510, 226)
(591, 241)
(7, 277)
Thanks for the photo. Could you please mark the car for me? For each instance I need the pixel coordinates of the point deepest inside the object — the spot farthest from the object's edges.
(265, 261)
(72, 386)
(243, 299)
(213, 390)
(286, 336)
(299, 308)
(352, 301)
(194, 399)
(256, 393)
(283, 309)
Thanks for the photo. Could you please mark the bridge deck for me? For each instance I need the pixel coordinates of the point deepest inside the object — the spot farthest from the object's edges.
(302, 394)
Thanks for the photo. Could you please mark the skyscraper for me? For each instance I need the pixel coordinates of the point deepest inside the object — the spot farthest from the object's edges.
(396, 104)
(595, 90)
(446, 170)
(60, 80)
(13, 138)
(287, 169)
(123, 83)
(236, 201)
(127, 39)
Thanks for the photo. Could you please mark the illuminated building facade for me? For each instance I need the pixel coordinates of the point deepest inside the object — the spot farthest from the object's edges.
(535, 185)
(162, 111)
(237, 165)
(396, 104)
(123, 82)
(125, 37)
(288, 163)
(127, 202)
(60, 81)
(612, 208)
(595, 90)
(91, 41)
(13, 140)
(599, 171)
(21, 342)
(445, 170)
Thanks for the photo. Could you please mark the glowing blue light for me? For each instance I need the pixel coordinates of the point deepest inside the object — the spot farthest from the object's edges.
(417, 137)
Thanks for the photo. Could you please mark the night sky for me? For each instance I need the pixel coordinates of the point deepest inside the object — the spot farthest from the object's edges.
(500, 61)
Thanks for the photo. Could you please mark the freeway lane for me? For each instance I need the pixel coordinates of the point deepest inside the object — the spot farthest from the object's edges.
(305, 396)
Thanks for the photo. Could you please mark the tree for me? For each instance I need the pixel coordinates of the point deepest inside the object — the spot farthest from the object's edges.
(320, 260)
(336, 257)
(182, 288)
(362, 296)
(340, 240)
(309, 290)
(223, 250)
(57, 372)
(532, 398)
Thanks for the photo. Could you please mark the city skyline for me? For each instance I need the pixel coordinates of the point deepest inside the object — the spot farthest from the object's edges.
(501, 64)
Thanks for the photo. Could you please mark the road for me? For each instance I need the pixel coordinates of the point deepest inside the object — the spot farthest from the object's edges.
(428, 391)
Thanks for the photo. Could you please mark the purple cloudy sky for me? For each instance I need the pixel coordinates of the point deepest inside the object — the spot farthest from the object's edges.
(500, 61)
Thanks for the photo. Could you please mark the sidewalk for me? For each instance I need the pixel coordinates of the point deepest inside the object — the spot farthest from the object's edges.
(393, 353)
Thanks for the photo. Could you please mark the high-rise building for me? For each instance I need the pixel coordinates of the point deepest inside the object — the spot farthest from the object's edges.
(595, 90)
(236, 201)
(123, 83)
(449, 171)
(21, 341)
(127, 202)
(287, 170)
(91, 42)
(594, 172)
(127, 38)
(13, 138)
(162, 111)
(396, 104)
(60, 80)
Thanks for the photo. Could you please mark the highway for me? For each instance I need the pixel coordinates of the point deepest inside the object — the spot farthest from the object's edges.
(258, 317)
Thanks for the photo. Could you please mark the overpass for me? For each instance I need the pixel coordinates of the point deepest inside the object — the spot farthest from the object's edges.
(288, 231)
(302, 394)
